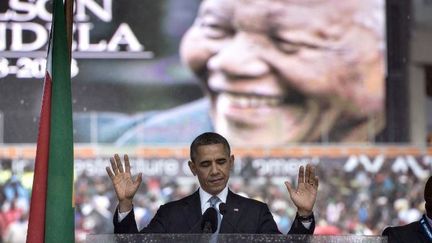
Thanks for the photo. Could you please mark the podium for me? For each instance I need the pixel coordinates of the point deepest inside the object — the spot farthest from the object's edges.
(230, 238)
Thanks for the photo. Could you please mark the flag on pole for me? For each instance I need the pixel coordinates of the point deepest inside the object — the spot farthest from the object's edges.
(51, 216)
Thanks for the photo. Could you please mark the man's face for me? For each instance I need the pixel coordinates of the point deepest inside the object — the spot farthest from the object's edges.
(212, 166)
(281, 71)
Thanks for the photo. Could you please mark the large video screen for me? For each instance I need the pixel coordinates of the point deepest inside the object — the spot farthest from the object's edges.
(261, 73)
(287, 82)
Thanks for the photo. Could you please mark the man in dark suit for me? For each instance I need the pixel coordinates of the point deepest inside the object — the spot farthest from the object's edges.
(211, 161)
(418, 231)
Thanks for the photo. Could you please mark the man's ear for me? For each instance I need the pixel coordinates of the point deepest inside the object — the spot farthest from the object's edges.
(192, 167)
(231, 161)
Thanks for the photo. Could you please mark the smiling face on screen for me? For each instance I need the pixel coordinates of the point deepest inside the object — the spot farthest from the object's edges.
(284, 71)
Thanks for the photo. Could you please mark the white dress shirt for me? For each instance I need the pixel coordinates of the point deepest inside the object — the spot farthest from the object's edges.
(205, 197)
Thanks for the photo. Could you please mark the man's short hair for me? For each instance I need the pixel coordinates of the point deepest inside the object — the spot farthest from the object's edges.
(208, 138)
(428, 195)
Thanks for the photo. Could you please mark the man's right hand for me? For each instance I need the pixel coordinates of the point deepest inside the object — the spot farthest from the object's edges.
(124, 185)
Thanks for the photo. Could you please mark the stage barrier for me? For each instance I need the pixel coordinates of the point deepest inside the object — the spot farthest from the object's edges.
(231, 238)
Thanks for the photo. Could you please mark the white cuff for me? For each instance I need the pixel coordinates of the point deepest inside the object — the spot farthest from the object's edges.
(123, 215)
(307, 225)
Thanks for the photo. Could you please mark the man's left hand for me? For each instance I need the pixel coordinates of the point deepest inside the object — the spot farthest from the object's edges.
(304, 196)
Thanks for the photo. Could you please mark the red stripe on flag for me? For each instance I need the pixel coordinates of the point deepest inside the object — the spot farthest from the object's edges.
(36, 228)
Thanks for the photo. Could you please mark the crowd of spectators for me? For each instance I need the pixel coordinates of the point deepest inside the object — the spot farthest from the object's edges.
(357, 202)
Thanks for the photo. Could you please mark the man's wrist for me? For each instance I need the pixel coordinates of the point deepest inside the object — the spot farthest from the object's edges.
(125, 206)
(305, 217)
(304, 213)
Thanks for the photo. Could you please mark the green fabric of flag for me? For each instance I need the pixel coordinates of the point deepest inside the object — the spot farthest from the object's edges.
(51, 217)
(59, 221)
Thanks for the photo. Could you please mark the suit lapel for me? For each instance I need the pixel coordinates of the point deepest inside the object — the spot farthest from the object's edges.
(231, 217)
(421, 231)
(192, 212)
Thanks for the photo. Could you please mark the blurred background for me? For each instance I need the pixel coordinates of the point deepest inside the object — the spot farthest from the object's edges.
(126, 68)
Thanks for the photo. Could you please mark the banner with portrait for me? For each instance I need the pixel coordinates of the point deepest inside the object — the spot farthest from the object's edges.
(162, 72)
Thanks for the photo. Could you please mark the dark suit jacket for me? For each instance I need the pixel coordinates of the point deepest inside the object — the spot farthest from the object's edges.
(243, 215)
(411, 233)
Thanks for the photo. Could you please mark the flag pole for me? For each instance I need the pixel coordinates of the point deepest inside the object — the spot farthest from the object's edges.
(69, 24)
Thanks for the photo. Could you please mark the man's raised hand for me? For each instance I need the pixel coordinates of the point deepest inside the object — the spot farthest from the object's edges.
(125, 186)
(304, 196)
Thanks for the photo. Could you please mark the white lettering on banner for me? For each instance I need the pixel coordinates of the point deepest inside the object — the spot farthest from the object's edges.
(124, 36)
(83, 31)
(371, 166)
(415, 167)
(30, 10)
(42, 12)
(92, 167)
(404, 164)
(25, 27)
(17, 36)
(168, 167)
(186, 169)
(279, 167)
(401, 164)
(427, 160)
(238, 165)
(104, 12)
(27, 11)
(2, 36)
(18, 165)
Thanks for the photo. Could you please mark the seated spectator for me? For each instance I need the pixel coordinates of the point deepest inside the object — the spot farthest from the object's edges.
(417, 231)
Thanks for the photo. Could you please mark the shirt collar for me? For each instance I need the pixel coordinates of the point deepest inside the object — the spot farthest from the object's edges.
(205, 196)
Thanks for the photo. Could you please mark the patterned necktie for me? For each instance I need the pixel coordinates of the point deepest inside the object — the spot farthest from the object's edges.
(213, 202)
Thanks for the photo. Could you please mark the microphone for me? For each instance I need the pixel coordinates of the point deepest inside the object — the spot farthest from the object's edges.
(209, 221)
(223, 209)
